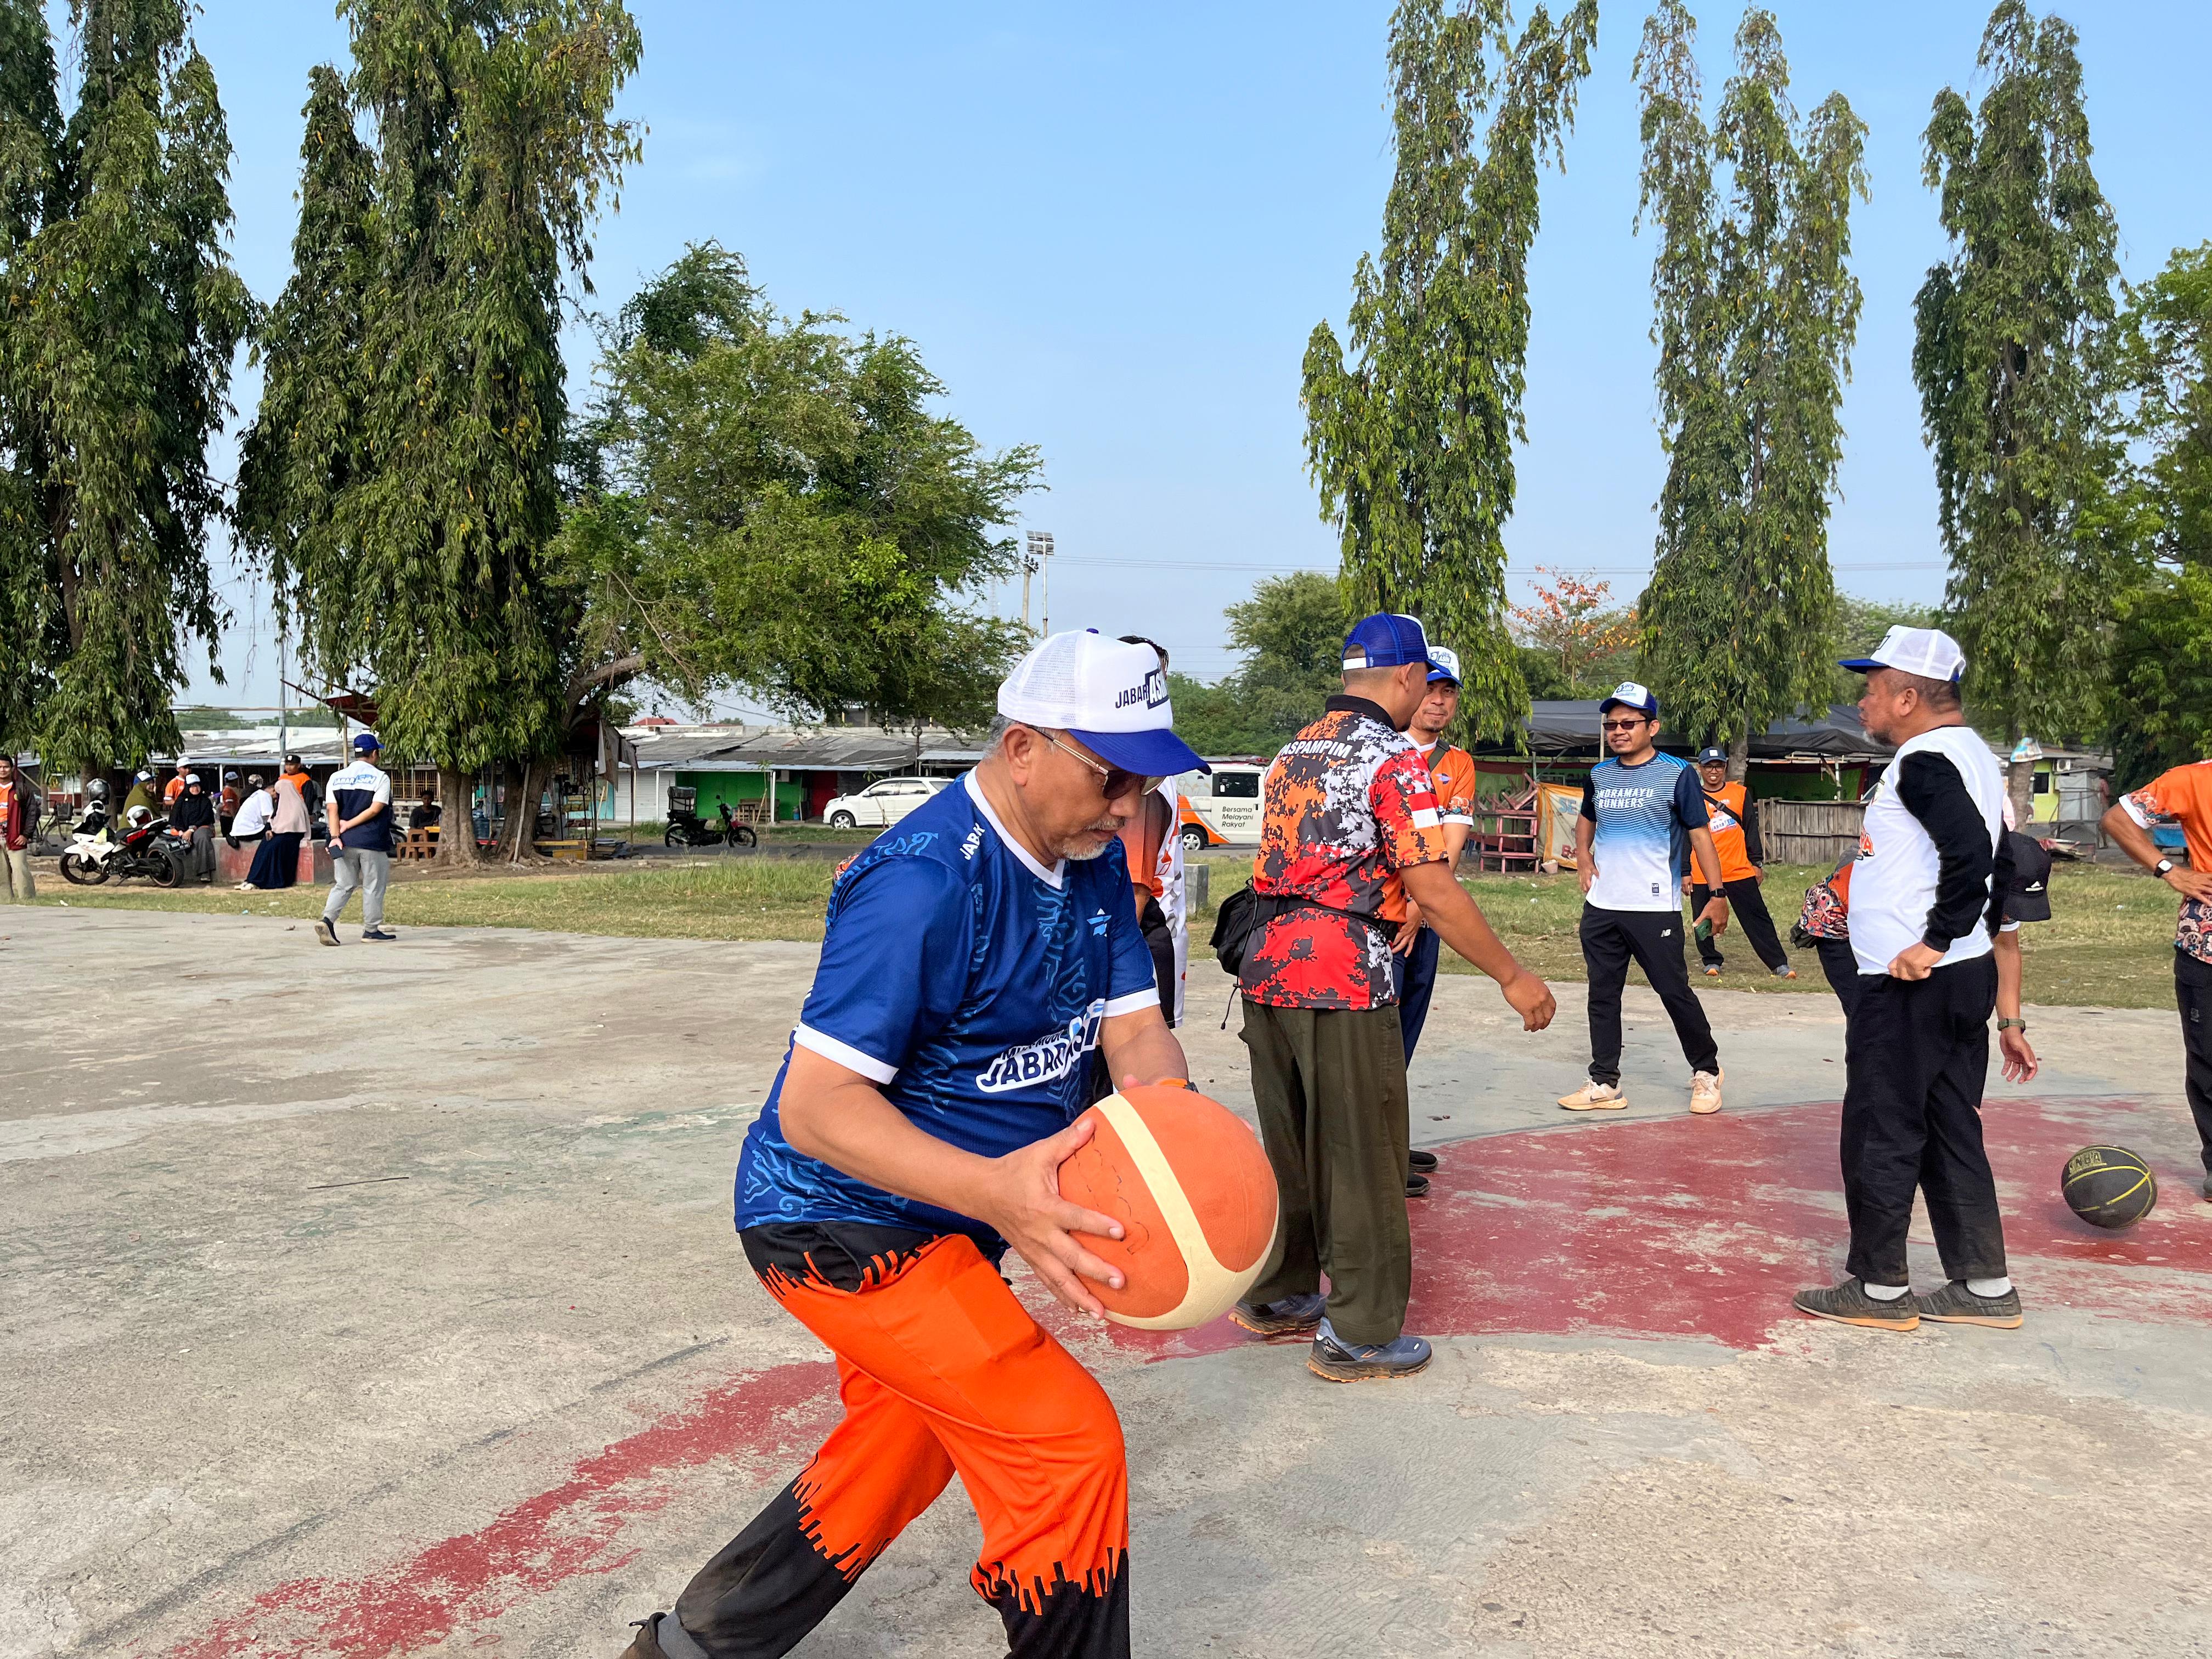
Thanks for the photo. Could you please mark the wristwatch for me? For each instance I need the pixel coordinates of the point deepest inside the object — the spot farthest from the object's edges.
(2161, 868)
(2004, 1024)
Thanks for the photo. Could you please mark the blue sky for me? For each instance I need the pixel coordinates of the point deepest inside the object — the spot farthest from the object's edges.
(1111, 229)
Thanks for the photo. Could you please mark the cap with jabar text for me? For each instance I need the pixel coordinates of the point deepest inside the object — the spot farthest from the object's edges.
(1710, 756)
(1444, 664)
(1928, 652)
(366, 744)
(1629, 695)
(1386, 640)
(1111, 698)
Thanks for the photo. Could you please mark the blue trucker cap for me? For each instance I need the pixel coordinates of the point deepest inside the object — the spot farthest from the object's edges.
(1386, 640)
(1629, 695)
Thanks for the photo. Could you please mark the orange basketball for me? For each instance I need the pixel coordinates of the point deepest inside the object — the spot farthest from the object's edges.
(1190, 1185)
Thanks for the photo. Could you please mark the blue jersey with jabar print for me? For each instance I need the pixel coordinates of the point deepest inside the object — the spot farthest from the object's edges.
(1643, 816)
(970, 982)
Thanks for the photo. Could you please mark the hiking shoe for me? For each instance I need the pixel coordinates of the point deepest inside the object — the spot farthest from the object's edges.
(326, 930)
(1705, 1091)
(1594, 1096)
(1848, 1303)
(1420, 1159)
(1291, 1316)
(1713, 971)
(378, 936)
(1417, 1186)
(1338, 1361)
(1785, 971)
(1955, 1304)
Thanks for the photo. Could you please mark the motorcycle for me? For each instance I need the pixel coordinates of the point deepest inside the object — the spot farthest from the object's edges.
(687, 829)
(147, 851)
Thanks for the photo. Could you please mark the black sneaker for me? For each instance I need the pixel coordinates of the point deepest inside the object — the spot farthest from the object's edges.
(1338, 1361)
(1420, 1160)
(378, 936)
(1955, 1304)
(1417, 1186)
(661, 1638)
(1293, 1315)
(326, 931)
(1848, 1303)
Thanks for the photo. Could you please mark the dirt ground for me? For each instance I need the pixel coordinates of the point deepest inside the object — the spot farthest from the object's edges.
(383, 1301)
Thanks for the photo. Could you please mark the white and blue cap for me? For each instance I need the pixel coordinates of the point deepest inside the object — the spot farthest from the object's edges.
(1929, 653)
(365, 742)
(1111, 698)
(1386, 640)
(1444, 664)
(1629, 695)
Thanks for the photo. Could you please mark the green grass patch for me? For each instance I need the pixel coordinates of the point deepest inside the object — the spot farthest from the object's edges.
(2109, 943)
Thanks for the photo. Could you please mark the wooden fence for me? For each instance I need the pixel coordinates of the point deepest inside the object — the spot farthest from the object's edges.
(1810, 832)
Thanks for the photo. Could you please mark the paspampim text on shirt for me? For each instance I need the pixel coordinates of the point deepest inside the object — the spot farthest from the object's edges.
(970, 984)
(352, 788)
(2183, 793)
(1347, 804)
(1643, 815)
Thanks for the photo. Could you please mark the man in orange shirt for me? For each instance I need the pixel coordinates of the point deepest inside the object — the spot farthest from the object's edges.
(2183, 793)
(1451, 773)
(1733, 818)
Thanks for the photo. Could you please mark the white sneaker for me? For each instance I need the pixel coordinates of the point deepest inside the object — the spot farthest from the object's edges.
(1705, 1091)
(1594, 1096)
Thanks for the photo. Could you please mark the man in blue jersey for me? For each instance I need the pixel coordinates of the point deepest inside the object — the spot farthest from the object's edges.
(360, 805)
(1643, 817)
(976, 955)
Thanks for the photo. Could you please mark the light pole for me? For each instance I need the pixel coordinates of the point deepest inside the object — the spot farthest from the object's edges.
(1035, 561)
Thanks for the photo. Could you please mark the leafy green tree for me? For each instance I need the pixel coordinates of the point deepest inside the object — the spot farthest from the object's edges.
(764, 502)
(1856, 626)
(2013, 355)
(1411, 441)
(1756, 311)
(119, 315)
(2161, 701)
(400, 477)
(1291, 632)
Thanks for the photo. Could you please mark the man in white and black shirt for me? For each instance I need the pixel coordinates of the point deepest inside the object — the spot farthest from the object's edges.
(1917, 1047)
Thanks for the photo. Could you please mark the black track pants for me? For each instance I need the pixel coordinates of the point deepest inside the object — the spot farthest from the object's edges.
(2192, 989)
(1747, 909)
(1916, 1054)
(1653, 938)
(1841, 965)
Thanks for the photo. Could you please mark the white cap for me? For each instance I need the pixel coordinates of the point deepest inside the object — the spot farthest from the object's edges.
(1929, 653)
(1110, 697)
(1444, 664)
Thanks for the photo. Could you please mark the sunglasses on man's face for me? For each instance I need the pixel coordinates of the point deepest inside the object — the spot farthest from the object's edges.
(1621, 725)
(1113, 783)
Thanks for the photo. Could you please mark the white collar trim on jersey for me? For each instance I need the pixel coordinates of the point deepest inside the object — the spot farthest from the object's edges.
(1051, 877)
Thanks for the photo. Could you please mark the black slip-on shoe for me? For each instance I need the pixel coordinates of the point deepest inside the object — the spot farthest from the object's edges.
(1417, 1186)
(1291, 1316)
(1956, 1304)
(1420, 1160)
(378, 936)
(1336, 1360)
(326, 931)
(1848, 1303)
(661, 1638)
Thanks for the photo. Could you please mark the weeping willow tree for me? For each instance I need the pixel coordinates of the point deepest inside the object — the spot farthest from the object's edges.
(120, 316)
(1410, 440)
(399, 479)
(2015, 354)
(1755, 314)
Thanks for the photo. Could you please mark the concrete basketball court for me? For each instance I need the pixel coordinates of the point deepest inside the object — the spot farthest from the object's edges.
(384, 1302)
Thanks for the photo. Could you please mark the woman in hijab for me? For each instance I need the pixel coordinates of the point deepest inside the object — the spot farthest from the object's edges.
(193, 817)
(277, 861)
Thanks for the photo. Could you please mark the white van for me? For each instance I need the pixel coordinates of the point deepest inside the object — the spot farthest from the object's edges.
(1222, 808)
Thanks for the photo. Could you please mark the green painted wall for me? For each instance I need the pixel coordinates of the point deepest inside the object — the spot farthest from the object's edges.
(716, 788)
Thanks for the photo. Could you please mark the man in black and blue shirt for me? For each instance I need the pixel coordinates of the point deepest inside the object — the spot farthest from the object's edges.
(361, 843)
(1643, 818)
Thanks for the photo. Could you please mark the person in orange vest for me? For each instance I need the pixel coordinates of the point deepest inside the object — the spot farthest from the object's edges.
(1733, 818)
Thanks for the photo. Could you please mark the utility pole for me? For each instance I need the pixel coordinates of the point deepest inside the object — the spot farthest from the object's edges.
(1034, 562)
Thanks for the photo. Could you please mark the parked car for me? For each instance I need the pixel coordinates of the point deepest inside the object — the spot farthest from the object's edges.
(1220, 809)
(880, 803)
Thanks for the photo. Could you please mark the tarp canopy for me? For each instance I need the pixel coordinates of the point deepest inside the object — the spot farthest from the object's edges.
(1560, 727)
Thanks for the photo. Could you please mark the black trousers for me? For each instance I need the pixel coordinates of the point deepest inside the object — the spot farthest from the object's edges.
(1417, 984)
(2192, 989)
(1329, 1086)
(1747, 909)
(1653, 938)
(1916, 1054)
(1841, 965)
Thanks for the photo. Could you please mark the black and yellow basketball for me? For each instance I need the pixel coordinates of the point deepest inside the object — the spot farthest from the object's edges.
(2108, 1186)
